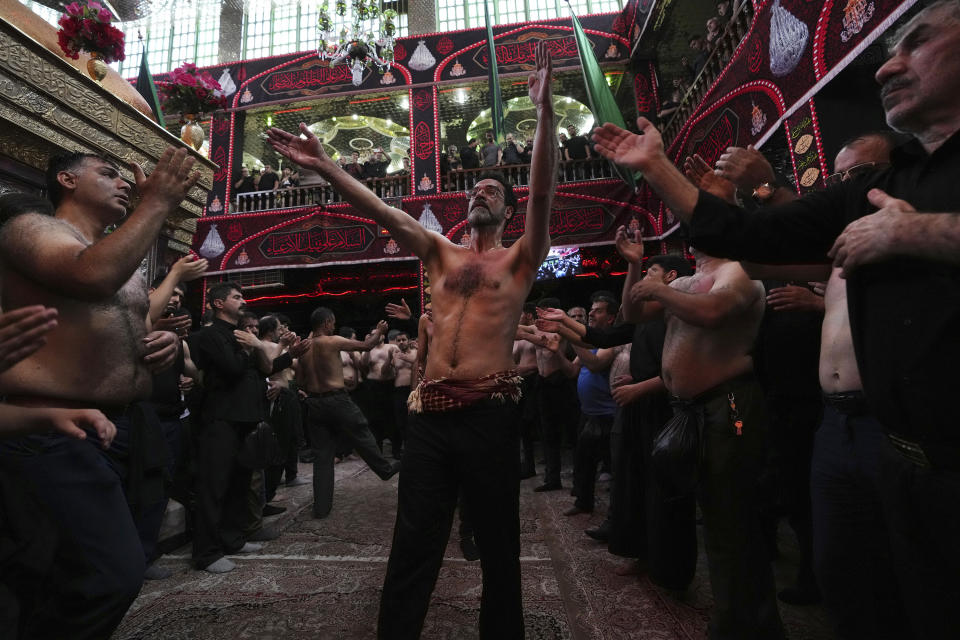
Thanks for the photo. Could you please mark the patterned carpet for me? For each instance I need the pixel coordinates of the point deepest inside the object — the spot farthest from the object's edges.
(321, 579)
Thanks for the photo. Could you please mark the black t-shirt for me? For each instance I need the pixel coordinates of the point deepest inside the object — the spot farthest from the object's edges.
(510, 154)
(246, 185)
(469, 158)
(375, 168)
(576, 147)
(268, 181)
(904, 311)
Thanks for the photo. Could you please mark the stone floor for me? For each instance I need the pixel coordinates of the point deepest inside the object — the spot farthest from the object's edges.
(321, 579)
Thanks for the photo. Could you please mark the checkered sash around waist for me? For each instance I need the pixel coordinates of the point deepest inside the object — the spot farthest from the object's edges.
(445, 394)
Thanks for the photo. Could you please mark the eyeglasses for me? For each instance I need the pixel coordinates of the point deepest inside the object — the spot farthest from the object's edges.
(488, 190)
(855, 171)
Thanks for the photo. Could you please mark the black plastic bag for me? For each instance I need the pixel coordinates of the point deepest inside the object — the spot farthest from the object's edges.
(676, 453)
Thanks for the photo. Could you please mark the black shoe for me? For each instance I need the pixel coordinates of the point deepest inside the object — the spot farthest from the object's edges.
(549, 486)
(394, 470)
(469, 549)
(528, 473)
(601, 533)
(800, 597)
(270, 510)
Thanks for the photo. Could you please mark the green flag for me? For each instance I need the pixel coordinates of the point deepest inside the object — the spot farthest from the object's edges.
(599, 96)
(146, 88)
(496, 102)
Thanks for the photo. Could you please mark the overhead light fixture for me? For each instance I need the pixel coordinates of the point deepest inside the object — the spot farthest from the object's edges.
(357, 47)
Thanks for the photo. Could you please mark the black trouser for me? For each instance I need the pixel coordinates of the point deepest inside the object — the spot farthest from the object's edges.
(222, 491)
(593, 445)
(529, 418)
(745, 605)
(473, 449)
(554, 397)
(785, 483)
(400, 395)
(922, 508)
(286, 421)
(97, 563)
(329, 415)
(379, 408)
(851, 550)
(150, 519)
(644, 523)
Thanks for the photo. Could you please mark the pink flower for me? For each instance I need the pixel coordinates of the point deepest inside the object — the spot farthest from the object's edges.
(94, 6)
(74, 9)
(104, 16)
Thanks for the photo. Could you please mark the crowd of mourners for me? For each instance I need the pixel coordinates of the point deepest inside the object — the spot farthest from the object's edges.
(800, 369)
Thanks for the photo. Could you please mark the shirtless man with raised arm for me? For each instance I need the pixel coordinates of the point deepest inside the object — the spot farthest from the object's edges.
(464, 431)
(99, 356)
(404, 360)
(712, 319)
(330, 410)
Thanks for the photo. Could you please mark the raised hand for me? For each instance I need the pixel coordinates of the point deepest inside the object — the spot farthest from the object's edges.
(630, 249)
(548, 313)
(382, 327)
(298, 347)
(703, 177)
(170, 181)
(305, 149)
(538, 82)
(399, 311)
(744, 167)
(22, 332)
(161, 350)
(548, 326)
(247, 339)
(632, 150)
(189, 267)
(177, 324)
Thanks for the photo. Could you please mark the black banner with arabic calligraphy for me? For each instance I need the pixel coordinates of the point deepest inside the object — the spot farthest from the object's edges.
(339, 234)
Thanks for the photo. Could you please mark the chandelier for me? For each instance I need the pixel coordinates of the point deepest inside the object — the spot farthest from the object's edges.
(358, 47)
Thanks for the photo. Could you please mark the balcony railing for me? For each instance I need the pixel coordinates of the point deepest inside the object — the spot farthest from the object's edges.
(316, 194)
(398, 186)
(727, 44)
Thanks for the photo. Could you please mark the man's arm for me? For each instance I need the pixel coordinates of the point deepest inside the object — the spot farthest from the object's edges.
(728, 295)
(22, 332)
(897, 229)
(185, 269)
(596, 362)
(797, 272)
(45, 249)
(535, 242)
(307, 151)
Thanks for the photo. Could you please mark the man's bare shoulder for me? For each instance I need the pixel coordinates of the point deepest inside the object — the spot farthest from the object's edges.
(27, 228)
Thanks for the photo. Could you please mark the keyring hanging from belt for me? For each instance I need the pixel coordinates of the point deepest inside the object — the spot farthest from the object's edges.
(734, 414)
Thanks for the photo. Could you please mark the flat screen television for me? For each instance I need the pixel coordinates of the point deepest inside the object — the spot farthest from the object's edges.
(560, 263)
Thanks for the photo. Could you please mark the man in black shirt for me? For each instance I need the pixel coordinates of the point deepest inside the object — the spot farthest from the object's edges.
(234, 402)
(576, 148)
(896, 235)
(468, 155)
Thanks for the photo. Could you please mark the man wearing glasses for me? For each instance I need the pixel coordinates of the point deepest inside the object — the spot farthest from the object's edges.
(463, 431)
(895, 235)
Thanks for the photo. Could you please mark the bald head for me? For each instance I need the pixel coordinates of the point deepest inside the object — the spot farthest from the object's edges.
(870, 147)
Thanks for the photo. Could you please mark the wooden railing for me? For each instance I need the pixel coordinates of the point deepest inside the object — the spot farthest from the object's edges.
(519, 174)
(727, 44)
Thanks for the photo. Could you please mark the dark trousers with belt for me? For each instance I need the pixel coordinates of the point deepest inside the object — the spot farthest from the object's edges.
(554, 398)
(330, 415)
(529, 419)
(851, 551)
(593, 445)
(473, 449)
(922, 508)
(400, 395)
(97, 564)
(745, 605)
(222, 490)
